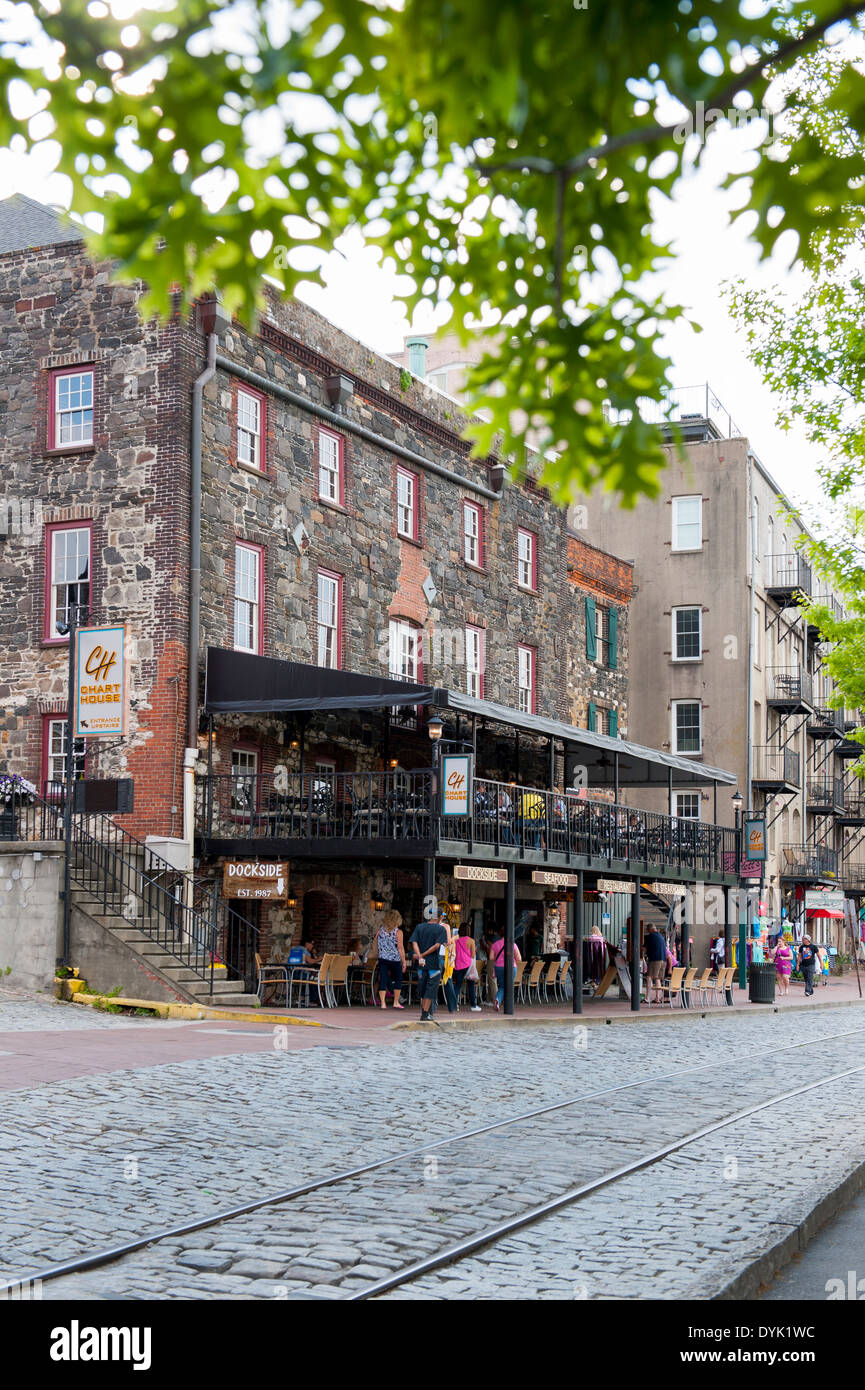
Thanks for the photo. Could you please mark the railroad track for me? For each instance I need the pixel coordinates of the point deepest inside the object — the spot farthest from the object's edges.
(470, 1148)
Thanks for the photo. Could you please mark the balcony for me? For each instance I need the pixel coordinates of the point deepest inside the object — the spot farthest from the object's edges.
(836, 611)
(392, 815)
(775, 769)
(851, 722)
(853, 876)
(789, 689)
(785, 576)
(825, 722)
(695, 411)
(853, 805)
(810, 863)
(825, 796)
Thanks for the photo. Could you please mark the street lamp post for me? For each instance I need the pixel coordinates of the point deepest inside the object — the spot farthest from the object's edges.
(68, 629)
(738, 803)
(435, 727)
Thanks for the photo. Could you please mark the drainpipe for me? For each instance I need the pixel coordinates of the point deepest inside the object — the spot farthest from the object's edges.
(195, 542)
(750, 684)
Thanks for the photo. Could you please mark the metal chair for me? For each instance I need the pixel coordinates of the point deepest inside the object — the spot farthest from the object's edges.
(337, 978)
(561, 980)
(270, 975)
(672, 988)
(534, 981)
(549, 977)
(311, 977)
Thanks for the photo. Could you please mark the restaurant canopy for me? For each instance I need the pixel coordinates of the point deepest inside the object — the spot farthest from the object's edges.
(239, 682)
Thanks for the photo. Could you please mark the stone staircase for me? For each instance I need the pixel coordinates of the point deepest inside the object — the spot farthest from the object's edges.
(179, 978)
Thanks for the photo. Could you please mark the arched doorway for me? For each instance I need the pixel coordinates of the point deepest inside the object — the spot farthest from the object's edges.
(321, 920)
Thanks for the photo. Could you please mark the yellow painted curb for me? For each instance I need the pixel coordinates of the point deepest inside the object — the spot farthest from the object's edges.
(198, 1012)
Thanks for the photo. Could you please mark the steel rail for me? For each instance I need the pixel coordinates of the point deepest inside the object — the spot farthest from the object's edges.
(103, 1257)
(528, 1218)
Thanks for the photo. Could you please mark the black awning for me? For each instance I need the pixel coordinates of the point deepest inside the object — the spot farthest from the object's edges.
(241, 682)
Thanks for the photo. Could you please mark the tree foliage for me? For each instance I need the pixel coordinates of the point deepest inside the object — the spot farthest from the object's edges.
(503, 154)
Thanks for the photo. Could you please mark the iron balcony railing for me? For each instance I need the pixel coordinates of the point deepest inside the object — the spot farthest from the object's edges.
(808, 861)
(388, 806)
(688, 407)
(789, 685)
(789, 571)
(775, 765)
(825, 719)
(826, 791)
(853, 800)
(829, 601)
(30, 819)
(287, 806)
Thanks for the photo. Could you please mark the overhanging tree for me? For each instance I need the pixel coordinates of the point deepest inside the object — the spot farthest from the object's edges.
(504, 154)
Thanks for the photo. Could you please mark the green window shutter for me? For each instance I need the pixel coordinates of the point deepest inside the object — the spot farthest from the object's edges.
(593, 717)
(591, 639)
(614, 723)
(614, 634)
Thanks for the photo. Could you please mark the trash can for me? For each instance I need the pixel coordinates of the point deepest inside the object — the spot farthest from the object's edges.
(761, 984)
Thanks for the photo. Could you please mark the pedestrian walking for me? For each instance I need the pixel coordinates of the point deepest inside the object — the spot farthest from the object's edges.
(497, 957)
(656, 958)
(465, 968)
(807, 962)
(429, 943)
(391, 958)
(783, 958)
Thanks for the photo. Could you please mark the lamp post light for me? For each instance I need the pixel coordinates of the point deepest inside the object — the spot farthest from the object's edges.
(76, 612)
(435, 728)
(738, 803)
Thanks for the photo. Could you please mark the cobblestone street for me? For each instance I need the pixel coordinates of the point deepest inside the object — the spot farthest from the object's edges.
(113, 1155)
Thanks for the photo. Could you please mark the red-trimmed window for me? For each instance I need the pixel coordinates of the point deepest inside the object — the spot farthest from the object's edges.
(248, 596)
(331, 467)
(329, 619)
(527, 671)
(475, 661)
(244, 780)
(405, 656)
(407, 511)
(527, 559)
(473, 535)
(68, 565)
(70, 414)
(250, 428)
(54, 753)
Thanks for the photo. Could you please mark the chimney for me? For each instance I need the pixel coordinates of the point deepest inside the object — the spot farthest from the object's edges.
(417, 350)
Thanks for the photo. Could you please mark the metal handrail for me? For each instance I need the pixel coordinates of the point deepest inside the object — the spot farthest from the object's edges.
(775, 765)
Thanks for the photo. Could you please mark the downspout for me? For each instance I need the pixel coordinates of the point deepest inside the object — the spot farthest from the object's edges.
(750, 683)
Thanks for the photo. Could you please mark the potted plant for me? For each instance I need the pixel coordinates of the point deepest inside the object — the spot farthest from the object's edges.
(15, 792)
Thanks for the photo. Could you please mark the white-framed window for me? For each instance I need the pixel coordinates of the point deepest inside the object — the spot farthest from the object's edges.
(406, 504)
(770, 536)
(687, 523)
(755, 526)
(330, 468)
(324, 776)
(602, 635)
(69, 583)
(249, 432)
(404, 649)
(688, 805)
(55, 753)
(527, 559)
(687, 726)
(475, 654)
(756, 628)
(244, 771)
(526, 679)
(247, 598)
(687, 634)
(472, 535)
(73, 409)
(329, 604)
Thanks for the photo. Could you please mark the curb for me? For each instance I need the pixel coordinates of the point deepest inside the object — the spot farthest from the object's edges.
(746, 1286)
(670, 1016)
(196, 1012)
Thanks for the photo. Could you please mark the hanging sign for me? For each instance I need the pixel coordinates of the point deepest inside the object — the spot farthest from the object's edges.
(616, 885)
(479, 873)
(100, 682)
(552, 879)
(263, 880)
(755, 838)
(456, 776)
(831, 898)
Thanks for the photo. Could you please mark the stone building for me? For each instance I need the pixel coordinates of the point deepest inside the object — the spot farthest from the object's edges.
(344, 530)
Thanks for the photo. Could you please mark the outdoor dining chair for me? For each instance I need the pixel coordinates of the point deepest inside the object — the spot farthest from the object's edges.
(561, 980)
(311, 978)
(337, 979)
(270, 975)
(672, 988)
(534, 982)
(548, 979)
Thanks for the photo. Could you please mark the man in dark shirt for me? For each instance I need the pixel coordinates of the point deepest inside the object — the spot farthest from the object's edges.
(428, 941)
(656, 959)
(807, 962)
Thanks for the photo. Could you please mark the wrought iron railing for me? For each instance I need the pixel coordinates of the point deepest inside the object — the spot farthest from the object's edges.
(808, 861)
(775, 765)
(125, 878)
(287, 806)
(789, 571)
(824, 719)
(30, 819)
(826, 791)
(789, 684)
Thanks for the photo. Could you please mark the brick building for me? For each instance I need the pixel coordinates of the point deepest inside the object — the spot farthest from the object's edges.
(344, 528)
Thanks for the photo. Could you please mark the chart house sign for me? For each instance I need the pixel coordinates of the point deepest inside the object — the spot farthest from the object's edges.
(100, 682)
(261, 879)
(457, 771)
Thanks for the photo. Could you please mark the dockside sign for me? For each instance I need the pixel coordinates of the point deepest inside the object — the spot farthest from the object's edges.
(259, 879)
(479, 873)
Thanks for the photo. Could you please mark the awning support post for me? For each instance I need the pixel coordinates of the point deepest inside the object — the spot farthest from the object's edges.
(634, 944)
(577, 967)
(510, 906)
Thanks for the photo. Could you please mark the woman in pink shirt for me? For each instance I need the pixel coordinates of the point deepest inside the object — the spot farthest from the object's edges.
(465, 954)
(497, 956)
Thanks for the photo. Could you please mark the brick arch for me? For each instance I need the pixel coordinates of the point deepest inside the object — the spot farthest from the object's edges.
(327, 918)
